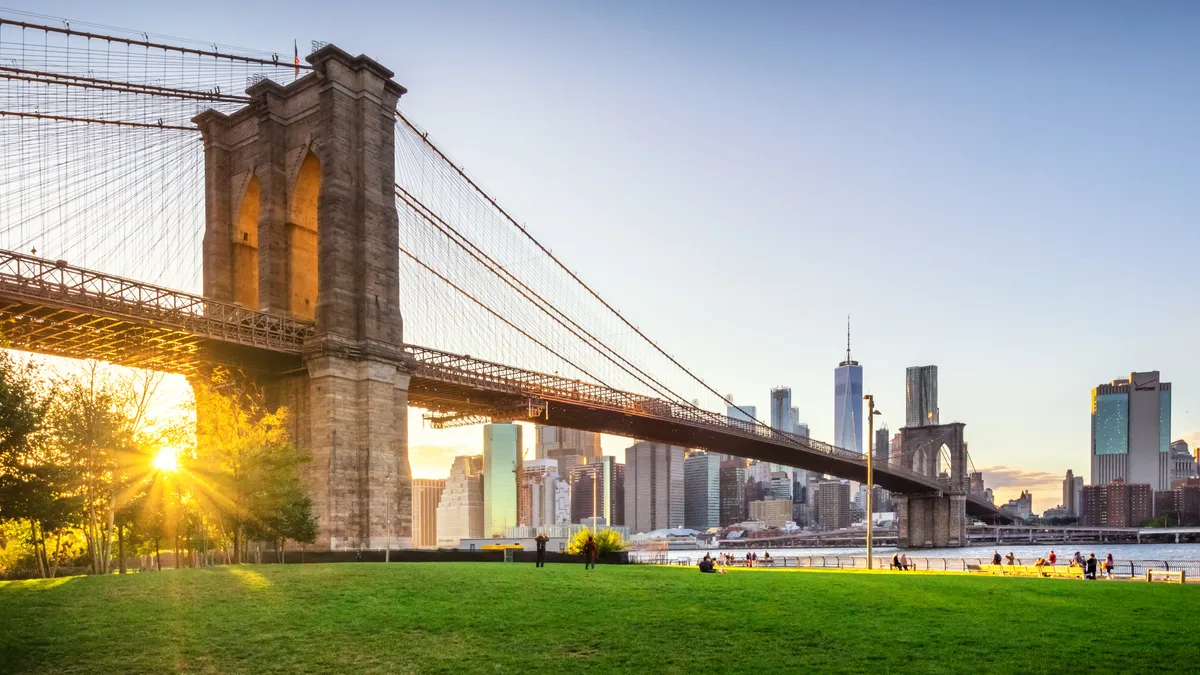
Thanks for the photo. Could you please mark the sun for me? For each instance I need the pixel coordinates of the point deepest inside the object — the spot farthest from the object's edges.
(167, 459)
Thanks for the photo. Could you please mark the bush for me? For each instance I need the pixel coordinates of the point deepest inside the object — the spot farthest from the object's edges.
(608, 541)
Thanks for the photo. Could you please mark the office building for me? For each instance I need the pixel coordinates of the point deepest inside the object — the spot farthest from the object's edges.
(558, 442)
(1131, 431)
(781, 485)
(781, 409)
(702, 491)
(746, 413)
(540, 505)
(847, 403)
(460, 510)
(802, 430)
(921, 396)
(653, 486)
(1183, 464)
(1117, 504)
(833, 504)
(733, 491)
(1073, 494)
(883, 446)
(772, 512)
(598, 490)
(502, 451)
(426, 493)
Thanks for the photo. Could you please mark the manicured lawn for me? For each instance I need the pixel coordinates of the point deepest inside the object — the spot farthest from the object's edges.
(495, 617)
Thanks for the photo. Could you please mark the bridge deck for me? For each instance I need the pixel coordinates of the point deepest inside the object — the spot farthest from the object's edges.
(54, 308)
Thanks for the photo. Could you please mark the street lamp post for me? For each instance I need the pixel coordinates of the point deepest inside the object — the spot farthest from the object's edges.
(871, 413)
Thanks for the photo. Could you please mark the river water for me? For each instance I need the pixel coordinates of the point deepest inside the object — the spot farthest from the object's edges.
(1024, 552)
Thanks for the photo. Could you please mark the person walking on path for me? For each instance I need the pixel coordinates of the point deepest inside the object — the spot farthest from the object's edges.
(589, 554)
(1108, 565)
(541, 548)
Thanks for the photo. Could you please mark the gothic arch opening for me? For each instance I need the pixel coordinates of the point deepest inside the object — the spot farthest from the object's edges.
(302, 239)
(245, 247)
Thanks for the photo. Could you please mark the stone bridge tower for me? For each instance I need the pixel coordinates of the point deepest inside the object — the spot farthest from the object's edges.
(301, 221)
(934, 519)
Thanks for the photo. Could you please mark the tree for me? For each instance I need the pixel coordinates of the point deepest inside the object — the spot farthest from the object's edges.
(35, 484)
(246, 458)
(100, 424)
(607, 541)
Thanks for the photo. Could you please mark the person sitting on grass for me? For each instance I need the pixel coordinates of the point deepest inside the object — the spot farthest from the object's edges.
(706, 565)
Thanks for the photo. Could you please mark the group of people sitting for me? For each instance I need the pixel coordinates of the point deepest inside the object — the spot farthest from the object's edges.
(1088, 566)
(900, 562)
(709, 563)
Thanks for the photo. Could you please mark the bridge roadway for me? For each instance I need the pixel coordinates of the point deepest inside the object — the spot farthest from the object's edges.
(51, 307)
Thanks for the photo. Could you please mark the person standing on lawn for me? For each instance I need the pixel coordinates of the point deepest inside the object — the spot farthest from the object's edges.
(589, 554)
(541, 548)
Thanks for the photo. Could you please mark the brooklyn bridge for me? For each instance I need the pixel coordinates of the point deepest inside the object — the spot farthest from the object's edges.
(179, 207)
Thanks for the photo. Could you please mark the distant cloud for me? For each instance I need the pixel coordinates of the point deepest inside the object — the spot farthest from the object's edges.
(1008, 482)
(1192, 438)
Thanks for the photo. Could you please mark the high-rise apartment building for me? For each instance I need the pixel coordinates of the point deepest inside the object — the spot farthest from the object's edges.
(540, 486)
(1131, 431)
(502, 450)
(847, 403)
(733, 491)
(654, 496)
(921, 396)
(460, 510)
(1073, 494)
(1117, 504)
(833, 504)
(598, 489)
(558, 442)
(883, 446)
(426, 493)
(781, 485)
(702, 491)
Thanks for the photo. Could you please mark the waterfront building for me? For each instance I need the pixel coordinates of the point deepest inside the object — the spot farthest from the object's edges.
(847, 404)
(921, 396)
(833, 504)
(426, 493)
(702, 491)
(558, 442)
(1058, 513)
(733, 491)
(598, 489)
(460, 509)
(654, 487)
(1117, 504)
(1021, 507)
(772, 512)
(502, 450)
(1131, 431)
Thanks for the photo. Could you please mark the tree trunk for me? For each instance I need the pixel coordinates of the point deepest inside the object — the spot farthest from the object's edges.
(37, 550)
(157, 554)
(121, 548)
(237, 554)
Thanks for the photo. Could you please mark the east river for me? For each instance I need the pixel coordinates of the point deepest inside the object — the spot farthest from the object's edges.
(1024, 552)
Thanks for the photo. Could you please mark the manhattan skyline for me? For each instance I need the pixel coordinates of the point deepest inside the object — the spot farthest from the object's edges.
(1005, 173)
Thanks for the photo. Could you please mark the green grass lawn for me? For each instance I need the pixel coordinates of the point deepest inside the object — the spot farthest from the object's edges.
(495, 617)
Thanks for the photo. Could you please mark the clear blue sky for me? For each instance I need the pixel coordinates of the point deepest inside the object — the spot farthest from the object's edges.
(1006, 190)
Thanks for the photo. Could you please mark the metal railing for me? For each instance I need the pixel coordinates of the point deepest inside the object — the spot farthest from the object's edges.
(38, 281)
(1122, 569)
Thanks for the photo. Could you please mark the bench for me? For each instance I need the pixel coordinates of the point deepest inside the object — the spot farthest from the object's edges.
(1167, 575)
(1057, 571)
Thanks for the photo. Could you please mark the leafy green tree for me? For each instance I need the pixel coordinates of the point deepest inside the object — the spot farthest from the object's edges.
(245, 456)
(607, 541)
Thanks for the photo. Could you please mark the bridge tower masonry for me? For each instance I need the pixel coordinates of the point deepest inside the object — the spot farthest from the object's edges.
(934, 519)
(301, 221)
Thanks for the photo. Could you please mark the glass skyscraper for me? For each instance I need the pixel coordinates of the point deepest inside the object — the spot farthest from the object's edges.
(501, 470)
(1131, 431)
(848, 403)
(702, 491)
(781, 408)
(920, 396)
